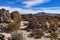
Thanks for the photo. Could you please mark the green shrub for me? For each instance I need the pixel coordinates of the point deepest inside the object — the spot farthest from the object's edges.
(37, 34)
(13, 26)
(53, 28)
(54, 34)
(17, 36)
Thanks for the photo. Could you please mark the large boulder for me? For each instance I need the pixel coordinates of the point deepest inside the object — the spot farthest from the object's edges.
(4, 16)
(16, 16)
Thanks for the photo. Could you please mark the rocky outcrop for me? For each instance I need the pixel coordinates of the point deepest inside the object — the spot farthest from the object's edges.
(4, 16)
(16, 16)
(26, 17)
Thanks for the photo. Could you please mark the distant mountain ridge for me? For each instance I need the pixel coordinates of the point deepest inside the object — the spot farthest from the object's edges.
(51, 14)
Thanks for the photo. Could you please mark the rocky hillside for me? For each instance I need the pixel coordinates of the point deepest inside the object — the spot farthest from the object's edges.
(43, 24)
(40, 16)
(5, 16)
(39, 24)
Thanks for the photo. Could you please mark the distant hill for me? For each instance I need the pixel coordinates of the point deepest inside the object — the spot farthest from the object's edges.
(51, 14)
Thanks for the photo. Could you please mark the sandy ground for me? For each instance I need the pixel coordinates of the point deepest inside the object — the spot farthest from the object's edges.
(25, 35)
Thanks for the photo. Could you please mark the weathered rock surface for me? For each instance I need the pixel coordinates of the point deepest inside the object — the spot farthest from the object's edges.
(16, 16)
(4, 16)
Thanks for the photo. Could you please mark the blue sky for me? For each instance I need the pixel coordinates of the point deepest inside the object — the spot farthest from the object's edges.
(31, 6)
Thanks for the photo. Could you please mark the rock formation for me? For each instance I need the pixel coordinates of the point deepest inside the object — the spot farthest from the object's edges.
(16, 16)
(4, 16)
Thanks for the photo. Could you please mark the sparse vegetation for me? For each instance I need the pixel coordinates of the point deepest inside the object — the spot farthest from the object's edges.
(54, 35)
(37, 34)
(17, 36)
(13, 26)
(37, 24)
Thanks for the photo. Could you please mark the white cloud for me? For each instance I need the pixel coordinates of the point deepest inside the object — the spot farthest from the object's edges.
(52, 11)
(26, 11)
(30, 3)
(22, 11)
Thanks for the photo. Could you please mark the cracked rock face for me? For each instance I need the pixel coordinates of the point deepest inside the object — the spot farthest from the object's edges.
(4, 16)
